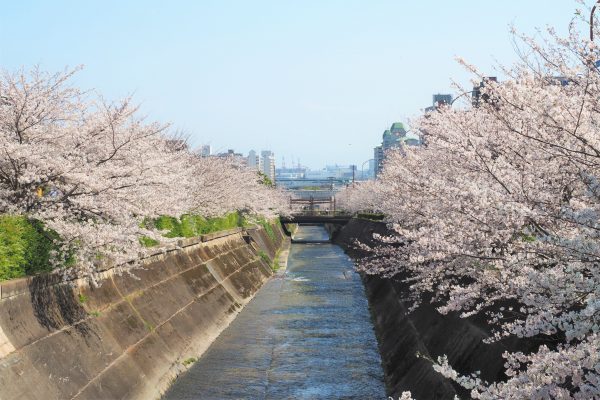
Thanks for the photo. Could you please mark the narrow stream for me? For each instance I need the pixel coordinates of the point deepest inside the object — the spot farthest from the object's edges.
(306, 335)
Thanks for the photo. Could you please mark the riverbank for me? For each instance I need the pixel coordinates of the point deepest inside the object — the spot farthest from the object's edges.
(307, 334)
(130, 337)
(402, 335)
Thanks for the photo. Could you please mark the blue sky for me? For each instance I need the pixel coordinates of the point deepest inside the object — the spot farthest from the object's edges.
(315, 80)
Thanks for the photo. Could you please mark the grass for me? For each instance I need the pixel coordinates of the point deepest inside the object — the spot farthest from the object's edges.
(190, 226)
(26, 244)
(148, 242)
(264, 256)
(189, 361)
(195, 225)
(275, 265)
(292, 228)
(267, 227)
(371, 216)
(25, 247)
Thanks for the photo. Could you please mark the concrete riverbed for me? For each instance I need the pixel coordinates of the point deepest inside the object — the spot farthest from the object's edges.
(307, 334)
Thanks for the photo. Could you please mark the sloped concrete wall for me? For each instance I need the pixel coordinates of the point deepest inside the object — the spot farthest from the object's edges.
(401, 335)
(127, 338)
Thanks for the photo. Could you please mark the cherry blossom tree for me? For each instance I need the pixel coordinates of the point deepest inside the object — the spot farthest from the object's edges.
(501, 206)
(93, 170)
(361, 196)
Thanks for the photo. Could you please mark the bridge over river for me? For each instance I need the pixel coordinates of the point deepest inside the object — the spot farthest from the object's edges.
(307, 334)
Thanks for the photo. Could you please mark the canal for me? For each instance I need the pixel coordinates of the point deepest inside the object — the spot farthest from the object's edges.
(306, 335)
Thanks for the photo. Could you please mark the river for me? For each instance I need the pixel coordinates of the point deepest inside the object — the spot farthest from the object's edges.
(307, 334)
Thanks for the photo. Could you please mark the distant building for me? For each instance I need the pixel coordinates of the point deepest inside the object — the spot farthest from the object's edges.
(397, 128)
(177, 144)
(561, 80)
(253, 159)
(205, 150)
(233, 156)
(412, 142)
(267, 164)
(377, 160)
(372, 169)
(391, 138)
(439, 99)
(340, 172)
(290, 173)
(477, 96)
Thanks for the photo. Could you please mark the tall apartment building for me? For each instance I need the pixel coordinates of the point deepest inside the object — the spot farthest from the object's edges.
(253, 159)
(267, 164)
(438, 100)
(377, 160)
(391, 138)
(204, 151)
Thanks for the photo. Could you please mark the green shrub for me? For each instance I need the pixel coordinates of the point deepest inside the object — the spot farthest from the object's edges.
(189, 361)
(148, 242)
(190, 226)
(267, 227)
(25, 247)
(371, 216)
(275, 265)
(264, 256)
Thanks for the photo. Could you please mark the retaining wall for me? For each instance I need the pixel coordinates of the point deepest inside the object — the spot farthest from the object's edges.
(129, 337)
(401, 335)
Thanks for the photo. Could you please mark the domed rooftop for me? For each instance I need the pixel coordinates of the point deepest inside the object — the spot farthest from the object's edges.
(398, 127)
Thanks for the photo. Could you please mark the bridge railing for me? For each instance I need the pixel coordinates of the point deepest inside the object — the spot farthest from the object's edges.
(321, 213)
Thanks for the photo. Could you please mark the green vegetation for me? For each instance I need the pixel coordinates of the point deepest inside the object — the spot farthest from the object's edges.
(189, 361)
(264, 179)
(190, 226)
(291, 228)
(25, 247)
(264, 256)
(148, 242)
(527, 238)
(94, 313)
(267, 227)
(275, 265)
(371, 216)
(149, 326)
(314, 188)
(82, 298)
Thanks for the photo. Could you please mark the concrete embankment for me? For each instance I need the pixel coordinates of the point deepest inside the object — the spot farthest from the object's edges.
(129, 337)
(403, 335)
(305, 335)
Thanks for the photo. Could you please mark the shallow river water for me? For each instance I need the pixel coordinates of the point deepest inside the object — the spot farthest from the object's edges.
(306, 335)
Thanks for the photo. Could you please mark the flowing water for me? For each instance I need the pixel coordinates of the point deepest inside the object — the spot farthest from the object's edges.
(306, 335)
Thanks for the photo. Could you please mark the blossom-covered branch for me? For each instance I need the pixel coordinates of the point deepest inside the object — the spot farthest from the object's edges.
(501, 206)
(93, 170)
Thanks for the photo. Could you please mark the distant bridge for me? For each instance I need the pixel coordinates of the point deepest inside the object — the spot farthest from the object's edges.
(314, 207)
(316, 218)
(313, 218)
